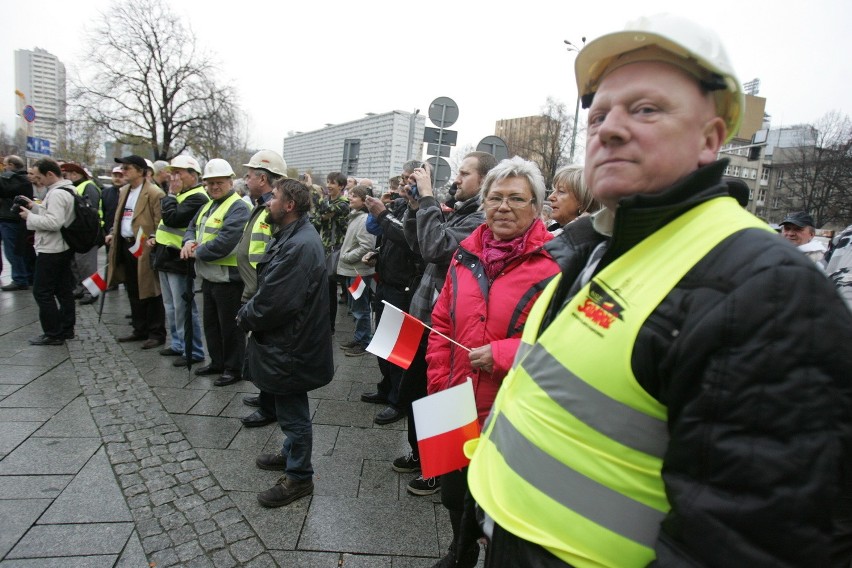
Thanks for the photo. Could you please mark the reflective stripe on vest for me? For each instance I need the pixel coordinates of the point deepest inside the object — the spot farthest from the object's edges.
(261, 234)
(571, 454)
(207, 228)
(173, 236)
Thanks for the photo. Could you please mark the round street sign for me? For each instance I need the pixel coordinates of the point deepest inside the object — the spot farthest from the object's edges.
(495, 146)
(441, 171)
(443, 112)
(29, 113)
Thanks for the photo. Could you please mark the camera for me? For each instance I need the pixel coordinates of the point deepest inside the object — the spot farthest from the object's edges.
(18, 203)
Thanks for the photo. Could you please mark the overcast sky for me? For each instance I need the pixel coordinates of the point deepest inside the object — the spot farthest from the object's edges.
(300, 65)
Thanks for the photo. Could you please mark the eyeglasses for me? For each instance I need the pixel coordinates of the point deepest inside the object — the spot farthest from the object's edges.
(514, 201)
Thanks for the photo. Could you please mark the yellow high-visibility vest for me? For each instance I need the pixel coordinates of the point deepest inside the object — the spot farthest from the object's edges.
(207, 227)
(82, 188)
(261, 234)
(173, 236)
(571, 454)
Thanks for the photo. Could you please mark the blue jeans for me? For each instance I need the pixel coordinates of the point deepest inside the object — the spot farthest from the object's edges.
(361, 312)
(22, 272)
(173, 287)
(294, 419)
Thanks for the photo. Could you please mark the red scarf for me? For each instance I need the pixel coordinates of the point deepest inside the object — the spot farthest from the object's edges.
(496, 254)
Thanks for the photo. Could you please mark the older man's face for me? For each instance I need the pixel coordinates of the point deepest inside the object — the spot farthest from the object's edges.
(797, 235)
(649, 126)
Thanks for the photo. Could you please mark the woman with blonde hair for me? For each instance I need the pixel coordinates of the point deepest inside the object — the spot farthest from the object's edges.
(570, 197)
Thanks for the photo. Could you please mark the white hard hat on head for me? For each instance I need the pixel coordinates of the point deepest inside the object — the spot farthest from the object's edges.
(150, 164)
(185, 163)
(270, 161)
(682, 42)
(217, 167)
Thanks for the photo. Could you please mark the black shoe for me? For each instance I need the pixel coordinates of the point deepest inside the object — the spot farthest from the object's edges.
(388, 416)
(285, 491)
(85, 301)
(256, 419)
(349, 344)
(253, 401)
(406, 464)
(12, 287)
(131, 337)
(78, 295)
(207, 370)
(357, 351)
(271, 462)
(467, 559)
(47, 340)
(181, 361)
(169, 352)
(151, 343)
(228, 378)
(374, 397)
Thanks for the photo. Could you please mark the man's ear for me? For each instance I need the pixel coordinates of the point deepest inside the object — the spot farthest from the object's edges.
(713, 135)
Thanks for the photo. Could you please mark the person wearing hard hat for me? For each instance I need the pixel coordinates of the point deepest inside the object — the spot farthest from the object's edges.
(262, 171)
(670, 404)
(162, 174)
(138, 211)
(186, 197)
(211, 239)
(83, 264)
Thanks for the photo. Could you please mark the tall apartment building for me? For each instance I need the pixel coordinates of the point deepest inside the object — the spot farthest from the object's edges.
(372, 147)
(40, 78)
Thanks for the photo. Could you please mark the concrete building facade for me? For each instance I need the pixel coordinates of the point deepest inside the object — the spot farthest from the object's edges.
(40, 82)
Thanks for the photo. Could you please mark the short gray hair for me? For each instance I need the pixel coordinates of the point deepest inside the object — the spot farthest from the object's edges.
(517, 167)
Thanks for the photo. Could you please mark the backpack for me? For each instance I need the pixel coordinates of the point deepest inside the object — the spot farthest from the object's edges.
(85, 232)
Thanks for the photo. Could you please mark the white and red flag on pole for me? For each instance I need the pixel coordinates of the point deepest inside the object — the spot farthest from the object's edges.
(95, 284)
(397, 337)
(136, 249)
(445, 421)
(357, 287)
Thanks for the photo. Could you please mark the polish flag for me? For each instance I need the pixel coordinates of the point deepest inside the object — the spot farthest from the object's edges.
(95, 284)
(136, 249)
(397, 337)
(357, 288)
(445, 421)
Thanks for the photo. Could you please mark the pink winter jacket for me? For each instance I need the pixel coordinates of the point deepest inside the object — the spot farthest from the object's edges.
(475, 312)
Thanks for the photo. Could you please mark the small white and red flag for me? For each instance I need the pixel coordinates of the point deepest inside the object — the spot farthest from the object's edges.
(95, 284)
(397, 337)
(357, 287)
(445, 421)
(136, 249)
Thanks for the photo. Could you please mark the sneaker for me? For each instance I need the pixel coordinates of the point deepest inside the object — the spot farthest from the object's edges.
(406, 464)
(285, 491)
(356, 351)
(271, 462)
(349, 344)
(424, 485)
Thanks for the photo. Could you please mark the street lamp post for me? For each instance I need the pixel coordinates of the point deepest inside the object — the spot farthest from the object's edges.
(572, 47)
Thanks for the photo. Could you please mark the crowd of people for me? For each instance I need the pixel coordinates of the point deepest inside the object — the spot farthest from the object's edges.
(658, 376)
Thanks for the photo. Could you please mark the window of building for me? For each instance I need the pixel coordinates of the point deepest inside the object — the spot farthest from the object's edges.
(753, 173)
(779, 180)
(761, 195)
(735, 171)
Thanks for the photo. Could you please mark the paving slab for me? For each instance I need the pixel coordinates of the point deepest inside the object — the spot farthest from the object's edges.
(12, 434)
(235, 470)
(93, 497)
(73, 421)
(27, 414)
(336, 475)
(208, 431)
(178, 400)
(99, 561)
(212, 403)
(307, 559)
(43, 392)
(20, 374)
(133, 555)
(344, 413)
(16, 517)
(49, 456)
(45, 541)
(277, 528)
(378, 481)
(33, 486)
(349, 524)
(371, 443)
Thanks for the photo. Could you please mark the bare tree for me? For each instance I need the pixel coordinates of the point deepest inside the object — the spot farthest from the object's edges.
(148, 81)
(82, 141)
(817, 172)
(545, 138)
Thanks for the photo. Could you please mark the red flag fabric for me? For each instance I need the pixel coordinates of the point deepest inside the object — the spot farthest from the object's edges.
(445, 421)
(136, 249)
(95, 284)
(397, 337)
(357, 288)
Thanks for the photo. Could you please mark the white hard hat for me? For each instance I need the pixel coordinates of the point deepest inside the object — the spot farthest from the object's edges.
(150, 164)
(185, 163)
(270, 161)
(698, 50)
(216, 168)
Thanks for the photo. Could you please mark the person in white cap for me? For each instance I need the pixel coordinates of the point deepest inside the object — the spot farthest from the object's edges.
(211, 239)
(678, 398)
(186, 196)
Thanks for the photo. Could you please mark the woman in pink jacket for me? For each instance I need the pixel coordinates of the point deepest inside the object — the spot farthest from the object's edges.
(493, 281)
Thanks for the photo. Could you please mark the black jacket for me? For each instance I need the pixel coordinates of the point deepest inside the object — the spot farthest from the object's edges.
(176, 216)
(13, 183)
(750, 354)
(289, 347)
(398, 266)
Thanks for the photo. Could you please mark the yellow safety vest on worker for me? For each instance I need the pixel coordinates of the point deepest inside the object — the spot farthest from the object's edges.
(261, 234)
(571, 454)
(207, 227)
(173, 236)
(81, 190)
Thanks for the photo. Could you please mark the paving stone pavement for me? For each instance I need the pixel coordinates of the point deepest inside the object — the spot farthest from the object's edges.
(110, 456)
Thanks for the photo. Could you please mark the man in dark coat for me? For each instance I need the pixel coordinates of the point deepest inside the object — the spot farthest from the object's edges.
(289, 339)
(13, 232)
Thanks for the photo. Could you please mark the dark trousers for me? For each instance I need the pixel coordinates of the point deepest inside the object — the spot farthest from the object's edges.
(148, 316)
(505, 550)
(294, 418)
(226, 342)
(332, 295)
(413, 387)
(53, 282)
(391, 374)
(12, 233)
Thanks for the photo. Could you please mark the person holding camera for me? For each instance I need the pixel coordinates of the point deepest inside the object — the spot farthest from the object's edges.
(53, 280)
(19, 253)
